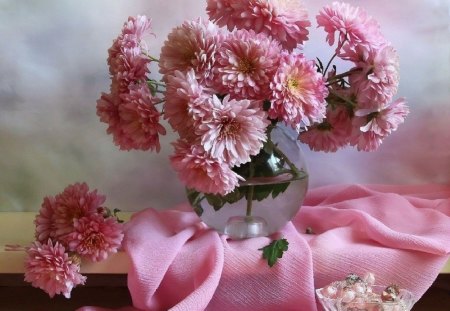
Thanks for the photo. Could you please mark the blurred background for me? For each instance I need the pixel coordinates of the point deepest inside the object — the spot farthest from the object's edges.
(53, 68)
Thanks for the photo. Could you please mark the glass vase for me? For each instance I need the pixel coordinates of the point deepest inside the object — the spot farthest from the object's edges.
(276, 181)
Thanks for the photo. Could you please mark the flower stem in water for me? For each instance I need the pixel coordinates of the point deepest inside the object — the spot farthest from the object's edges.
(250, 191)
(249, 201)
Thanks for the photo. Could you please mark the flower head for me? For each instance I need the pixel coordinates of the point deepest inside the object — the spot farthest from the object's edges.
(370, 128)
(45, 227)
(191, 45)
(246, 63)
(187, 102)
(139, 126)
(352, 25)
(198, 170)
(56, 216)
(378, 80)
(285, 20)
(330, 135)
(95, 236)
(127, 62)
(50, 268)
(235, 131)
(298, 92)
(137, 26)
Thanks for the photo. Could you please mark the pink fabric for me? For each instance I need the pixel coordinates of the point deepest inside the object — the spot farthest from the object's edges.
(402, 233)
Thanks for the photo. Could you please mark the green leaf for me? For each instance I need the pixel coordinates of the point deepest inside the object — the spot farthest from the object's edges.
(266, 105)
(261, 192)
(319, 65)
(216, 201)
(153, 88)
(115, 211)
(236, 195)
(195, 198)
(198, 210)
(274, 250)
(279, 188)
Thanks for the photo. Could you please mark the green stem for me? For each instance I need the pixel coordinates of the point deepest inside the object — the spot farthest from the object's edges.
(249, 201)
(156, 83)
(335, 54)
(251, 189)
(343, 75)
(151, 57)
(342, 98)
(159, 102)
(329, 63)
(294, 170)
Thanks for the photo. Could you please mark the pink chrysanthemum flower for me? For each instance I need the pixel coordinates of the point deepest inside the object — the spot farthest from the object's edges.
(95, 237)
(50, 268)
(127, 62)
(139, 126)
(330, 135)
(225, 12)
(137, 26)
(187, 102)
(298, 92)
(351, 23)
(199, 171)
(108, 111)
(191, 45)
(74, 202)
(378, 80)
(246, 64)
(235, 132)
(285, 20)
(370, 128)
(45, 227)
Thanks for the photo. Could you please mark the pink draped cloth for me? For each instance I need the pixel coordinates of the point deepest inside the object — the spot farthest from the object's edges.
(401, 233)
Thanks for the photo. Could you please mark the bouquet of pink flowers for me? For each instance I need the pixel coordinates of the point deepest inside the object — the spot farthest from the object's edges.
(224, 89)
(70, 226)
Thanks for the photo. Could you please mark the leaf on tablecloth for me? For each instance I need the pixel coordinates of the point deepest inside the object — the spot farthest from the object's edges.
(274, 250)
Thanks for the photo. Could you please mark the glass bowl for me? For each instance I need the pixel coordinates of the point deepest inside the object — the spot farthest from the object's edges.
(370, 301)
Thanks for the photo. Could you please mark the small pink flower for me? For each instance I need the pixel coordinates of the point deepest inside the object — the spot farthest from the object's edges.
(74, 202)
(246, 64)
(139, 126)
(351, 23)
(137, 26)
(191, 45)
(371, 127)
(130, 38)
(330, 135)
(127, 62)
(199, 171)
(50, 268)
(285, 20)
(378, 80)
(187, 102)
(235, 132)
(298, 92)
(96, 237)
(225, 12)
(128, 67)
